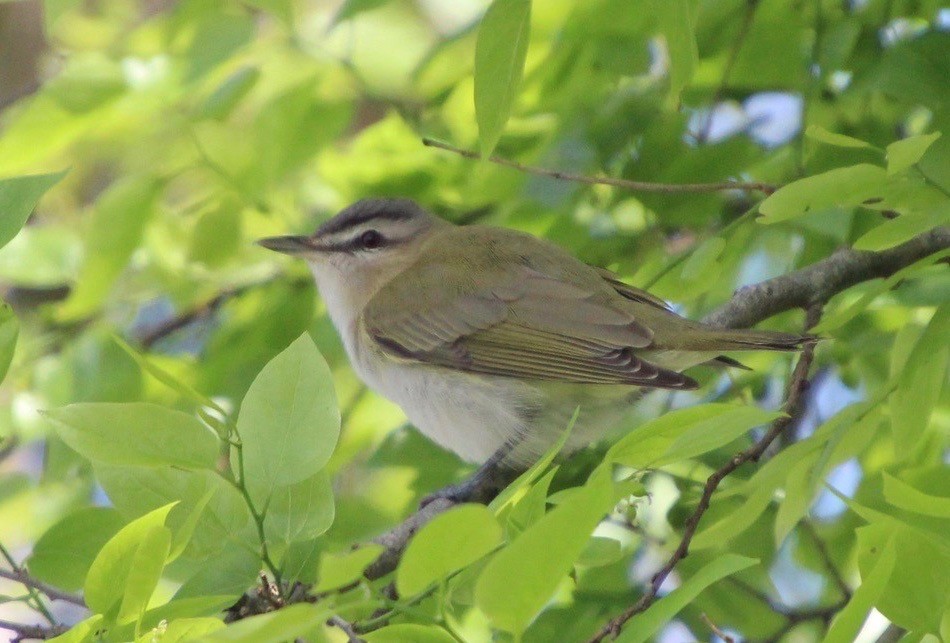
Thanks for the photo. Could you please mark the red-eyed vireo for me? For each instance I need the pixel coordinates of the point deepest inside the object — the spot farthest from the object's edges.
(489, 338)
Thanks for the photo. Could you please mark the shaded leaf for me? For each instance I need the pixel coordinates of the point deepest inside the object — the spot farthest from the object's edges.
(63, 554)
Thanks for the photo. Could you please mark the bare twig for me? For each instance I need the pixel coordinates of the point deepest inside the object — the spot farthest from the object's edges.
(642, 186)
(21, 576)
(715, 629)
(747, 17)
(797, 385)
(826, 560)
(31, 632)
(347, 627)
(204, 310)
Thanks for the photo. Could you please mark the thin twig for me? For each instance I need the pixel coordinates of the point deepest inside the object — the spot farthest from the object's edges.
(748, 15)
(797, 385)
(715, 629)
(32, 632)
(826, 560)
(347, 627)
(21, 576)
(642, 186)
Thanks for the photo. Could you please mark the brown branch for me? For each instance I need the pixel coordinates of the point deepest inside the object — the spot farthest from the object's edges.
(205, 310)
(642, 186)
(747, 307)
(21, 576)
(32, 632)
(792, 408)
(824, 279)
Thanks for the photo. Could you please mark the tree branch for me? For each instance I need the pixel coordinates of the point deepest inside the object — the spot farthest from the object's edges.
(642, 186)
(21, 576)
(822, 280)
(32, 632)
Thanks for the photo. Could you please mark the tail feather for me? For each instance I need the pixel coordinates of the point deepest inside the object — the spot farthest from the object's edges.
(743, 340)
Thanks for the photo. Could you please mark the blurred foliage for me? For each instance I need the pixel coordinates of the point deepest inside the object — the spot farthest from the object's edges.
(164, 137)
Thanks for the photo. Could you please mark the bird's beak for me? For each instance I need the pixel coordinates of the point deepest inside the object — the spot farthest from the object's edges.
(289, 245)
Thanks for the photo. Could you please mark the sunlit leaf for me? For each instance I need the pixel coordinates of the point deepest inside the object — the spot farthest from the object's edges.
(18, 197)
(849, 620)
(642, 626)
(144, 540)
(447, 543)
(520, 579)
(820, 134)
(136, 434)
(500, 53)
(301, 510)
(289, 421)
(906, 152)
(287, 624)
(9, 331)
(338, 570)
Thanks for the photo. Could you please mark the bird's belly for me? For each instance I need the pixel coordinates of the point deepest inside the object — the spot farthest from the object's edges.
(474, 415)
(468, 414)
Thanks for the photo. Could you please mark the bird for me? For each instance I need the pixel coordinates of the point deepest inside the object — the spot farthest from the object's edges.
(491, 339)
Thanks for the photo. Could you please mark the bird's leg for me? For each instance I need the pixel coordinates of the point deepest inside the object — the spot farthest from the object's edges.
(483, 485)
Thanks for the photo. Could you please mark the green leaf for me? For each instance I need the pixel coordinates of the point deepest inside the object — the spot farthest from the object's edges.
(449, 542)
(520, 579)
(300, 511)
(664, 438)
(18, 197)
(848, 622)
(820, 134)
(703, 258)
(500, 52)
(81, 631)
(843, 314)
(107, 581)
(286, 624)
(907, 152)
(841, 187)
(229, 93)
(182, 629)
(716, 432)
(63, 554)
(921, 380)
(643, 626)
(900, 229)
(409, 633)
(229, 573)
(900, 494)
(224, 522)
(918, 590)
(676, 25)
(289, 421)
(338, 570)
(113, 234)
(138, 433)
(9, 331)
(145, 570)
(798, 497)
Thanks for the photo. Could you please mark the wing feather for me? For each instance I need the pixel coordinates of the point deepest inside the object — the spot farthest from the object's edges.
(533, 323)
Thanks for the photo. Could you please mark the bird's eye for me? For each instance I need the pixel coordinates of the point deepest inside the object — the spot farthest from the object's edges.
(370, 240)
